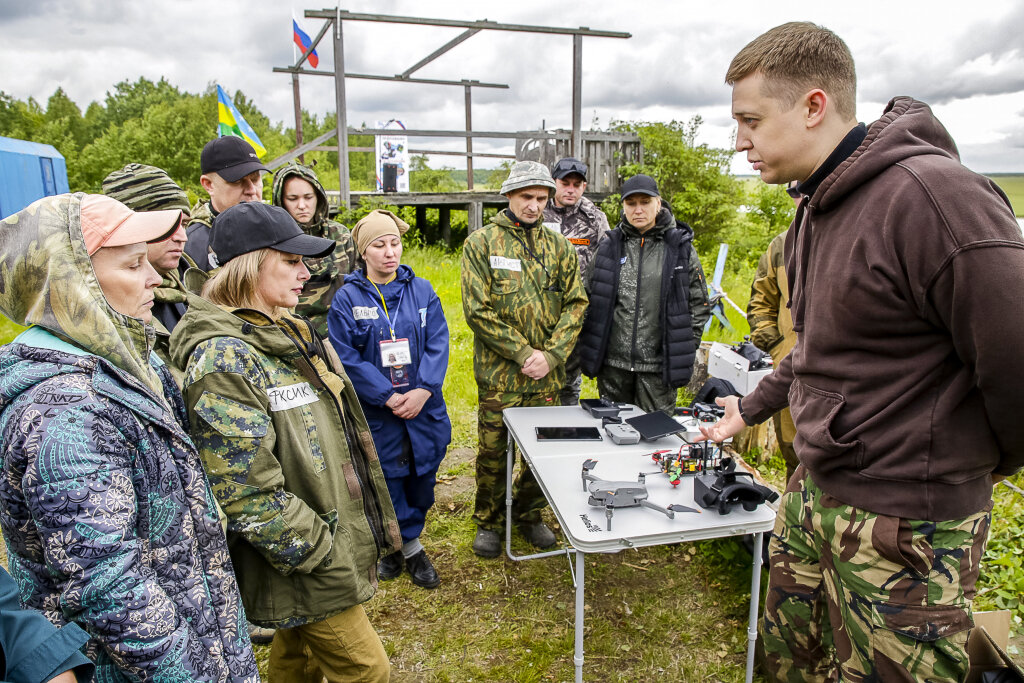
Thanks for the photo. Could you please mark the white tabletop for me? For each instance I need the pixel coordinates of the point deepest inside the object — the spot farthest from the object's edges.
(558, 465)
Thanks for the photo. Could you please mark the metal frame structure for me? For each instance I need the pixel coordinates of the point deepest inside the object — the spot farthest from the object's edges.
(336, 17)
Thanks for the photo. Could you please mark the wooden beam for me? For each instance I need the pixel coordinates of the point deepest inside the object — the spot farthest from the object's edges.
(461, 38)
(394, 79)
(341, 113)
(577, 96)
(301, 149)
(469, 141)
(483, 24)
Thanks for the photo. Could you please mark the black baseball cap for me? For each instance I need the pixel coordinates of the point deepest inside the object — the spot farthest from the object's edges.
(640, 184)
(567, 166)
(250, 226)
(230, 157)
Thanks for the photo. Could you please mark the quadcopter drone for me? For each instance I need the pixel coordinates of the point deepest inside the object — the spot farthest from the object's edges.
(622, 494)
(689, 459)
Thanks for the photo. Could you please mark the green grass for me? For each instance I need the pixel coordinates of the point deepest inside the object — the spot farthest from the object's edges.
(1013, 186)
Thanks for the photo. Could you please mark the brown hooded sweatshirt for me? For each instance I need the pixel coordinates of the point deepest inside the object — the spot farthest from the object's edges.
(907, 278)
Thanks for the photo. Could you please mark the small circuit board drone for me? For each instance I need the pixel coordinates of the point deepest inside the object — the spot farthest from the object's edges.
(689, 460)
(612, 495)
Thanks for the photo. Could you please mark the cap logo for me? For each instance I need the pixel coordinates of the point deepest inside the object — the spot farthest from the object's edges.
(253, 155)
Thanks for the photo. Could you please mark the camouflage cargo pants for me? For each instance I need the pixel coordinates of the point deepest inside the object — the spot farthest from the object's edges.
(491, 464)
(642, 389)
(858, 596)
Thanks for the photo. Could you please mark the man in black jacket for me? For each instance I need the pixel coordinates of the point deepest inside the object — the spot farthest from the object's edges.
(648, 282)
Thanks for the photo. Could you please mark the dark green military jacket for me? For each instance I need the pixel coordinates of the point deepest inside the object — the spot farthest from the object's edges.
(521, 290)
(327, 274)
(291, 461)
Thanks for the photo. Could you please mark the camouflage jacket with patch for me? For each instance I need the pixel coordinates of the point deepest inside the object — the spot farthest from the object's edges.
(771, 324)
(291, 460)
(197, 247)
(583, 224)
(327, 274)
(521, 290)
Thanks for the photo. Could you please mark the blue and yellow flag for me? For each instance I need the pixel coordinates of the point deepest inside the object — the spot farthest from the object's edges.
(230, 122)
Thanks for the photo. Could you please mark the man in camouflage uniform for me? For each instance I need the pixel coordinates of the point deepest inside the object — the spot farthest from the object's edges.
(148, 188)
(299, 192)
(231, 174)
(524, 300)
(905, 272)
(771, 330)
(583, 224)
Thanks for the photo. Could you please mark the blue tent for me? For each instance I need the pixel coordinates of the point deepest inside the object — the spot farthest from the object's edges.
(29, 171)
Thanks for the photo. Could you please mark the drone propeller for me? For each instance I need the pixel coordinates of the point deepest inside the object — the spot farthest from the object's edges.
(682, 508)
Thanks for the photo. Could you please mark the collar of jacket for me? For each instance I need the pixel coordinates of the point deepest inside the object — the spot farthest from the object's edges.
(506, 219)
(358, 277)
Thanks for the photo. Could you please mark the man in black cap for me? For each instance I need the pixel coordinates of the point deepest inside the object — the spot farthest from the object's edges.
(648, 304)
(231, 175)
(583, 224)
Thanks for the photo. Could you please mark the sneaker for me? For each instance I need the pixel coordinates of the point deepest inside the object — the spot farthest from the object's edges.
(390, 567)
(259, 635)
(487, 543)
(422, 571)
(539, 534)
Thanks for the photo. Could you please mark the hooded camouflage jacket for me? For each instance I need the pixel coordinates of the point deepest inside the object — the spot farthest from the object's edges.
(327, 274)
(583, 224)
(291, 460)
(521, 290)
(106, 511)
(197, 247)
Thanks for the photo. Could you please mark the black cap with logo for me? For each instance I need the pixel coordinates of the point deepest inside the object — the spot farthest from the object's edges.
(568, 166)
(231, 158)
(250, 226)
(640, 184)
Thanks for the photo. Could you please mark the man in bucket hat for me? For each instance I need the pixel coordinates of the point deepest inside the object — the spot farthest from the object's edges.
(524, 300)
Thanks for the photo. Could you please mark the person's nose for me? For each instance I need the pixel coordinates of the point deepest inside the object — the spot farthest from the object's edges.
(153, 278)
(742, 141)
(303, 271)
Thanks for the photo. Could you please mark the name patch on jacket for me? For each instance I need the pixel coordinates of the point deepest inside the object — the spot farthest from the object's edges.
(291, 396)
(365, 313)
(502, 263)
(580, 241)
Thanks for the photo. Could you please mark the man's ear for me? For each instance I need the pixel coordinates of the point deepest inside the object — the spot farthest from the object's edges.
(206, 182)
(817, 104)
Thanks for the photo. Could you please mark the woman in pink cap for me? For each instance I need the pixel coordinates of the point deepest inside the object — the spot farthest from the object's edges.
(105, 508)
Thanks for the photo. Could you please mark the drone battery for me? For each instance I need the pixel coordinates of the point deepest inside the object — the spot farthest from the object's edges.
(599, 407)
(622, 434)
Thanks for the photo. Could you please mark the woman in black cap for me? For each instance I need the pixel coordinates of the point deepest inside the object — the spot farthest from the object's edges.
(287, 449)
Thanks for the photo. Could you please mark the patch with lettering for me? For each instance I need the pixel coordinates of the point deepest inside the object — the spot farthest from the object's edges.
(291, 396)
(580, 241)
(365, 313)
(502, 263)
(557, 227)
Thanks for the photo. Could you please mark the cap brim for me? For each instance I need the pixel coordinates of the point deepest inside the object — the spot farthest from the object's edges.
(306, 245)
(649, 193)
(238, 171)
(145, 226)
(563, 174)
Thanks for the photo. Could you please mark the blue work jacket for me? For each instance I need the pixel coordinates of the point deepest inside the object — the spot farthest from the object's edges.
(357, 323)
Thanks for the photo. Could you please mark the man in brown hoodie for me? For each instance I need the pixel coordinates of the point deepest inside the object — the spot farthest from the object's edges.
(906, 274)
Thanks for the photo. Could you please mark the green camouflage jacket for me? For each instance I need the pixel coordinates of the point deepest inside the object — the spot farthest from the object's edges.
(771, 324)
(327, 274)
(515, 301)
(291, 460)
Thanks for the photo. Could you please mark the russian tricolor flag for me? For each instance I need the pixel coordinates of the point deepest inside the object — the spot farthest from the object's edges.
(303, 41)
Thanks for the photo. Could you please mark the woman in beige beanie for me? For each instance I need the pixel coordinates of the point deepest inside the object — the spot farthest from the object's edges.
(389, 330)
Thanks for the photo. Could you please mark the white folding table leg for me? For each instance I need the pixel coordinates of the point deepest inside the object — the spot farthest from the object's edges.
(578, 655)
(755, 599)
(509, 454)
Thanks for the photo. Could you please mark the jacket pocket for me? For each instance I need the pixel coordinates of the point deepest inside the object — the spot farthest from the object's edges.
(943, 627)
(814, 412)
(505, 282)
(231, 418)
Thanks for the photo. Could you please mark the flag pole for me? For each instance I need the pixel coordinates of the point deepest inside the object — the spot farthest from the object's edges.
(295, 96)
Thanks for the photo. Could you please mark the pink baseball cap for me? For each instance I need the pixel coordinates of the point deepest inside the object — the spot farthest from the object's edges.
(107, 222)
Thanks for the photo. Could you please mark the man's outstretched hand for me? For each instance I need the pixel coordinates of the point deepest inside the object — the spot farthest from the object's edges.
(730, 425)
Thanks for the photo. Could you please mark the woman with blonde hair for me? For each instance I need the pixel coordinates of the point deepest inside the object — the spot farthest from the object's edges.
(287, 449)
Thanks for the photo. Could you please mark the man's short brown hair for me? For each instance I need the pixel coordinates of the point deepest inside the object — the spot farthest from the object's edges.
(796, 57)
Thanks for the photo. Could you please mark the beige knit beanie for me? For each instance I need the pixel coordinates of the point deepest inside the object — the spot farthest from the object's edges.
(375, 225)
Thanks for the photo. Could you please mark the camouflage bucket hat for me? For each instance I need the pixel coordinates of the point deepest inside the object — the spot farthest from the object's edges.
(145, 188)
(527, 174)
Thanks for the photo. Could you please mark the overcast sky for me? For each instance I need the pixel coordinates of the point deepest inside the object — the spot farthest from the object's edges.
(966, 59)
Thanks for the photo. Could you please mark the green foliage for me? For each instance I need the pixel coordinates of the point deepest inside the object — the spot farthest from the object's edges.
(422, 178)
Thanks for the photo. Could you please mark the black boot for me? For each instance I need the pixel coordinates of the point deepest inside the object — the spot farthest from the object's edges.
(422, 570)
(390, 567)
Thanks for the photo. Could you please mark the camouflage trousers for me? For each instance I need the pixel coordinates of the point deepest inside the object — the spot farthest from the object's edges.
(859, 596)
(491, 464)
(642, 389)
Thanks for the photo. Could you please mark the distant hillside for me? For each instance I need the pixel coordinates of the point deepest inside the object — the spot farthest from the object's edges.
(1013, 185)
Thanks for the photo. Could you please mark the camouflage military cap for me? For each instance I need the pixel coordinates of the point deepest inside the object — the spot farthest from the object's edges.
(145, 188)
(527, 174)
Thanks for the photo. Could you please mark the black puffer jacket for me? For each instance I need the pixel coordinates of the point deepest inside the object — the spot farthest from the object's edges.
(666, 321)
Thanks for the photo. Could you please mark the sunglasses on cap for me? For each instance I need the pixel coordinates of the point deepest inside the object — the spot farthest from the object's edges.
(565, 167)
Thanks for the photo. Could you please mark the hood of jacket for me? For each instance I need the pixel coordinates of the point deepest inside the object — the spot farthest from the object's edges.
(294, 169)
(665, 221)
(48, 280)
(908, 128)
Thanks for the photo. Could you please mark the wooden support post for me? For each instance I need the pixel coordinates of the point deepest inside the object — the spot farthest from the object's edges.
(444, 222)
(577, 96)
(421, 223)
(474, 216)
(341, 115)
(298, 115)
(469, 141)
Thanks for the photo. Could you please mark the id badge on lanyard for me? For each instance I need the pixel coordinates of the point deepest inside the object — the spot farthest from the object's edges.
(395, 355)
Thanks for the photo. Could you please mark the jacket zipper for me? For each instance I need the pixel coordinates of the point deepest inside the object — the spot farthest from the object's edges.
(374, 516)
(636, 307)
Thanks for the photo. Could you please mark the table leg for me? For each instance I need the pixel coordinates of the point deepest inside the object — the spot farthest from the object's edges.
(578, 655)
(509, 461)
(755, 599)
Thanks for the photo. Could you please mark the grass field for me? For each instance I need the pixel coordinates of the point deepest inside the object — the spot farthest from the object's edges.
(1013, 186)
